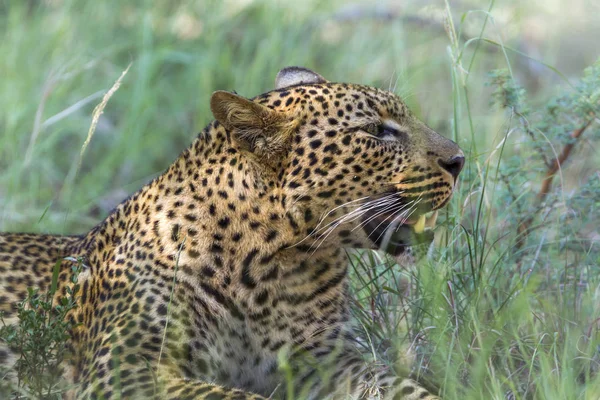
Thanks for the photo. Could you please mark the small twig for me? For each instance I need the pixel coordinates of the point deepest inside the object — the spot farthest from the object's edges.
(557, 163)
(98, 112)
(524, 226)
(529, 131)
(591, 328)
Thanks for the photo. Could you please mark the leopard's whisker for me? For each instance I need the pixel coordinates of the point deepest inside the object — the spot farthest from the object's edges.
(381, 202)
(417, 200)
(402, 206)
(352, 216)
(412, 207)
(377, 214)
(338, 207)
(386, 202)
(393, 218)
(318, 228)
(361, 209)
(404, 215)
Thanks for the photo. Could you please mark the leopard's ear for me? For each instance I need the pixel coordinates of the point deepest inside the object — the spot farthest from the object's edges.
(292, 76)
(253, 126)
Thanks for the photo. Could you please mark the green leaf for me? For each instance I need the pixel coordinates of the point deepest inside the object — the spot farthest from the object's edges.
(55, 272)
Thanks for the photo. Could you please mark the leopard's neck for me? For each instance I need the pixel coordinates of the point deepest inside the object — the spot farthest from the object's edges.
(216, 215)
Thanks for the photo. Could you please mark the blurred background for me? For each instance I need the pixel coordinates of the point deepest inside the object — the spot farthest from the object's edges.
(507, 307)
(60, 56)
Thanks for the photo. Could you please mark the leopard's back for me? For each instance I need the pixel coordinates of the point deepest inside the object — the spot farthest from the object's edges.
(27, 261)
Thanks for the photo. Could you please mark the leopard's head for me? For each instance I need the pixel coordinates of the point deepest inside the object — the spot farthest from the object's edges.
(354, 167)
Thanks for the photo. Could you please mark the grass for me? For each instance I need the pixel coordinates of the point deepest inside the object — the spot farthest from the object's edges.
(502, 309)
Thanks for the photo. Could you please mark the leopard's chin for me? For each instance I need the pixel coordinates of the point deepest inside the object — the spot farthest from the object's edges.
(395, 237)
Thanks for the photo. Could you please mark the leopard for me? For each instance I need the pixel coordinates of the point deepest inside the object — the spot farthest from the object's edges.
(227, 276)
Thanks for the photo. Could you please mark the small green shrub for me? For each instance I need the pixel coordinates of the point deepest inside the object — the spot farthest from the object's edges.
(40, 338)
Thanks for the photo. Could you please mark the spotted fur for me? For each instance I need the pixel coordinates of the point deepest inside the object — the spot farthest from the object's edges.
(227, 272)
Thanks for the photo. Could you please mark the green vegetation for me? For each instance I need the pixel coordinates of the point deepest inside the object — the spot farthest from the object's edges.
(506, 307)
(40, 339)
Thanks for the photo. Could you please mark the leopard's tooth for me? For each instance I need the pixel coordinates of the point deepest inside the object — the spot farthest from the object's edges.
(419, 227)
(430, 223)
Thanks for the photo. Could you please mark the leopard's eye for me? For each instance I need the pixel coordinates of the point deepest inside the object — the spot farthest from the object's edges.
(386, 132)
(380, 130)
(373, 129)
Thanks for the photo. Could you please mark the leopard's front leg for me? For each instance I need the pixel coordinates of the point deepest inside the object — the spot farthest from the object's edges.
(188, 389)
(140, 384)
(343, 374)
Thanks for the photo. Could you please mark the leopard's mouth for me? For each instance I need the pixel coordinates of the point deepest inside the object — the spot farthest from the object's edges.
(393, 235)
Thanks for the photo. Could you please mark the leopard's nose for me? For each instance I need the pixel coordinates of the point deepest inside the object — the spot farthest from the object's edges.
(453, 165)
